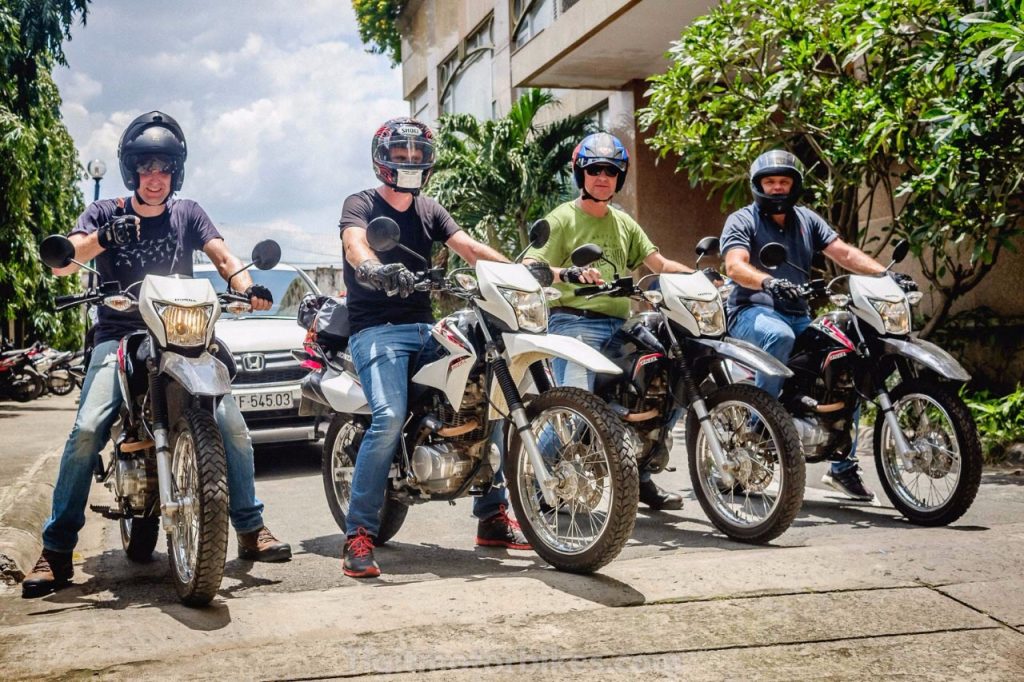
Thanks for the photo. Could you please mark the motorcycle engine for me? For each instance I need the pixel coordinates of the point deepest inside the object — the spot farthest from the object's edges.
(813, 435)
(439, 468)
(135, 482)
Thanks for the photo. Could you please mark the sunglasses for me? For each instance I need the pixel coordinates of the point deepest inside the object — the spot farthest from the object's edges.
(594, 171)
(149, 166)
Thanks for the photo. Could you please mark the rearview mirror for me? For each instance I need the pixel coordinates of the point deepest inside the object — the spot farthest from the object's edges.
(772, 255)
(901, 251)
(383, 234)
(707, 246)
(584, 255)
(266, 254)
(540, 232)
(57, 251)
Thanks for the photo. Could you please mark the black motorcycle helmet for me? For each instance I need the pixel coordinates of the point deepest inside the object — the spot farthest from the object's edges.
(776, 162)
(153, 134)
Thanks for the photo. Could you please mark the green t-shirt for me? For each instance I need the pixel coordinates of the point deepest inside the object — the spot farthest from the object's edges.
(622, 240)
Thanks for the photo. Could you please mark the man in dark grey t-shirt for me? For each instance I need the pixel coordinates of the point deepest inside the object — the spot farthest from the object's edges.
(767, 309)
(149, 232)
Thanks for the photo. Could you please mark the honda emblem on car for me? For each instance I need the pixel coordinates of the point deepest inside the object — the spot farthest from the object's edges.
(253, 362)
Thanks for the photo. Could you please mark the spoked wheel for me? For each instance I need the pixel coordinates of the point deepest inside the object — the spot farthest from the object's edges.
(939, 481)
(594, 463)
(139, 535)
(26, 387)
(198, 542)
(762, 452)
(341, 446)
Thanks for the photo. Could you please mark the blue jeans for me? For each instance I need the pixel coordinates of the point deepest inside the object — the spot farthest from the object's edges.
(98, 408)
(776, 333)
(597, 333)
(385, 357)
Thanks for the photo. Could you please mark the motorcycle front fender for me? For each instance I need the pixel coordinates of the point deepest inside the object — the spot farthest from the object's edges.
(927, 354)
(748, 355)
(533, 347)
(201, 376)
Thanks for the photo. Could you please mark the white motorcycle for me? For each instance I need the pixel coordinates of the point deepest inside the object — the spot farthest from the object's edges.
(169, 468)
(574, 491)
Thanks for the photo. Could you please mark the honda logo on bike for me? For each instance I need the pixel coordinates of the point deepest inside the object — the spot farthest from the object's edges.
(253, 362)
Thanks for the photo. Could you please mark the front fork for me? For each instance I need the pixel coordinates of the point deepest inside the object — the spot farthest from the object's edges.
(162, 442)
(903, 447)
(545, 480)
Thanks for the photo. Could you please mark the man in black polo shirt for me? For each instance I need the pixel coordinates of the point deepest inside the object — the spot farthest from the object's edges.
(767, 310)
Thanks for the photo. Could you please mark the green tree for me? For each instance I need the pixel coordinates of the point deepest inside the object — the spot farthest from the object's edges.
(891, 104)
(38, 179)
(376, 21)
(496, 176)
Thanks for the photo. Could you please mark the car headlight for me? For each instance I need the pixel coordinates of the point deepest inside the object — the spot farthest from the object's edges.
(895, 315)
(531, 309)
(185, 326)
(710, 315)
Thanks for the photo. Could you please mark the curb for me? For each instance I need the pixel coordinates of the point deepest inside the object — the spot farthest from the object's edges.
(23, 511)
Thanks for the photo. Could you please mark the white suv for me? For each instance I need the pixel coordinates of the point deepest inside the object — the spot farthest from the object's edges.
(266, 386)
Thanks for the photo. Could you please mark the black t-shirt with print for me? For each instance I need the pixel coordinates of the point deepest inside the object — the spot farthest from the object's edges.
(422, 224)
(166, 247)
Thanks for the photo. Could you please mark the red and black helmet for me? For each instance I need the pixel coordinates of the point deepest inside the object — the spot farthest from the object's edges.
(152, 135)
(402, 153)
(603, 149)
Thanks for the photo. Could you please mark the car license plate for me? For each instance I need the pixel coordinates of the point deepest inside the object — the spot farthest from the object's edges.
(251, 402)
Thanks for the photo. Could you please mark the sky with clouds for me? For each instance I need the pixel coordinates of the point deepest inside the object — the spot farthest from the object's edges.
(278, 101)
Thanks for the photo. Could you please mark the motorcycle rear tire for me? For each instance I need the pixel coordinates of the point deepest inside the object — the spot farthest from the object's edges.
(30, 387)
(197, 563)
(392, 514)
(59, 384)
(139, 536)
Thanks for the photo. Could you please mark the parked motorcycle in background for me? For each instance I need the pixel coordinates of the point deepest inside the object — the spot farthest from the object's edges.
(169, 468)
(575, 496)
(53, 365)
(927, 450)
(743, 451)
(19, 378)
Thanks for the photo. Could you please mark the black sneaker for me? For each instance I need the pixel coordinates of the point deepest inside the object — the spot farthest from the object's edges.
(501, 530)
(656, 498)
(358, 561)
(848, 483)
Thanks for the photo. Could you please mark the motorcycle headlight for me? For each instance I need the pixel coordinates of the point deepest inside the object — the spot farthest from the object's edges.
(895, 316)
(185, 326)
(710, 315)
(531, 309)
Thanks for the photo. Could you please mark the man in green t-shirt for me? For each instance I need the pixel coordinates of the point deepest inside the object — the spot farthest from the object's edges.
(599, 165)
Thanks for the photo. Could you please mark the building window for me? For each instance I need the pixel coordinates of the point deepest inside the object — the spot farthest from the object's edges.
(530, 17)
(601, 116)
(418, 103)
(465, 77)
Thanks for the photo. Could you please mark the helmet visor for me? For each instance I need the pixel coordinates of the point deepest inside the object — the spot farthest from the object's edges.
(405, 153)
(154, 164)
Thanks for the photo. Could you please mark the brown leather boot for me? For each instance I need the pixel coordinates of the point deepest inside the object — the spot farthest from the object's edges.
(53, 571)
(261, 545)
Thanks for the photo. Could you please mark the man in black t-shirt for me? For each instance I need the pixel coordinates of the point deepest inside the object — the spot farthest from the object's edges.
(768, 310)
(150, 232)
(390, 325)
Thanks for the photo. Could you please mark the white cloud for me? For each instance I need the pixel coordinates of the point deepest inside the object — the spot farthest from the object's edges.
(278, 102)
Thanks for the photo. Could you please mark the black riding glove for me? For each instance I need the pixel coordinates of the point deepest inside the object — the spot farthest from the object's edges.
(713, 275)
(542, 273)
(905, 282)
(573, 275)
(392, 279)
(259, 291)
(781, 289)
(120, 231)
